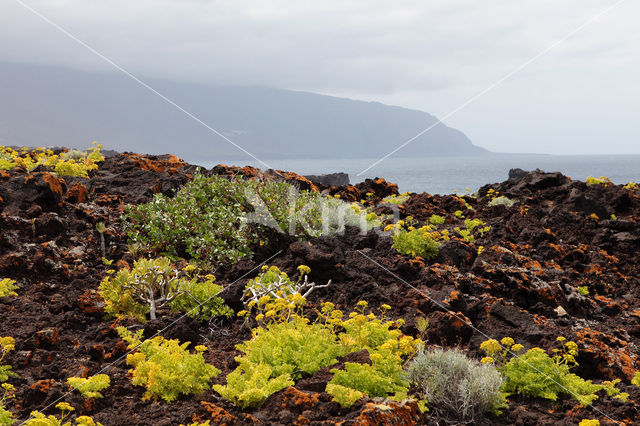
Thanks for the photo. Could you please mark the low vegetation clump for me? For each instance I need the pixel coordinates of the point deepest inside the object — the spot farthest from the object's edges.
(472, 229)
(388, 349)
(286, 346)
(7, 344)
(6, 416)
(536, 374)
(215, 219)
(39, 419)
(416, 242)
(436, 220)
(397, 199)
(250, 384)
(455, 387)
(501, 201)
(166, 368)
(71, 163)
(154, 283)
(90, 387)
(602, 180)
(294, 347)
(7, 288)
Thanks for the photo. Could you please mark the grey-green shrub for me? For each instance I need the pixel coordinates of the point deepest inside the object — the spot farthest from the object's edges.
(456, 388)
(502, 201)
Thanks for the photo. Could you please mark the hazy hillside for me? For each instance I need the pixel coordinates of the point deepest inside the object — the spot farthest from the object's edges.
(53, 106)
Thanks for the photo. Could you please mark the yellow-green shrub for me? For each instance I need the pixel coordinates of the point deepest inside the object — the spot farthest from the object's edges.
(416, 242)
(7, 288)
(536, 374)
(250, 384)
(166, 368)
(129, 292)
(90, 387)
(7, 344)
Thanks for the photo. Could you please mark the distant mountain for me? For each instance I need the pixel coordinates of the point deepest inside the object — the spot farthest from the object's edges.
(41, 105)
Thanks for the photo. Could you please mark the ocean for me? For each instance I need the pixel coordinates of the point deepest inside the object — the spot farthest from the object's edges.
(446, 175)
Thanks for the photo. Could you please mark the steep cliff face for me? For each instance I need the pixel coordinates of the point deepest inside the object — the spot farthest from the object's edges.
(54, 106)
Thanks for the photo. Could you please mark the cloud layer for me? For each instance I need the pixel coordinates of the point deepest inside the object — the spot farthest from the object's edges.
(579, 98)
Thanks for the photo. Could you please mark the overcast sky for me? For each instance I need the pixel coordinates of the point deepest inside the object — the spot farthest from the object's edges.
(581, 97)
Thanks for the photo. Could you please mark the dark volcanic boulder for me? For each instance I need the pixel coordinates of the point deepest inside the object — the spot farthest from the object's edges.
(331, 179)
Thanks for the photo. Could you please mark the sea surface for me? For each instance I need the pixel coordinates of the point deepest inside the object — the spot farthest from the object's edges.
(446, 175)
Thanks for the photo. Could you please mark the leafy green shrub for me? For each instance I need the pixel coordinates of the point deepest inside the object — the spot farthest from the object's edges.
(501, 201)
(154, 283)
(636, 379)
(7, 288)
(536, 374)
(250, 384)
(454, 386)
(204, 221)
(217, 219)
(91, 387)
(416, 242)
(166, 368)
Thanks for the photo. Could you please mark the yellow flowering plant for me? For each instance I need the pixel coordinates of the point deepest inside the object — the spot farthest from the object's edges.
(536, 374)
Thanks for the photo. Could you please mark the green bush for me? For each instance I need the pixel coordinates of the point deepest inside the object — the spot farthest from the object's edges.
(154, 283)
(39, 419)
(343, 395)
(416, 242)
(455, 387)
(166, 368)
(90, 387)
(204, 221)
(216, 219)
(249, 385)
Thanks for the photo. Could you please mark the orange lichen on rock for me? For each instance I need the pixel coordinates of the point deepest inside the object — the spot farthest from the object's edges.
(56, 183)
(42, 386)
(608, 359)
(47, 337)
(219, 415)
(77, 193)
(403, 413)
(165, 163)
(299, 399)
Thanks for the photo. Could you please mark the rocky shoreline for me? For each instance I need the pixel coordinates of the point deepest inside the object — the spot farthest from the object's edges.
(559, 235)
